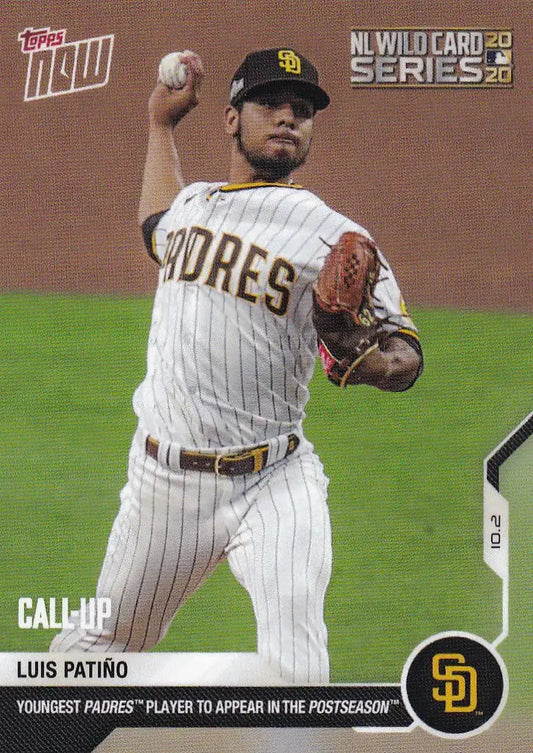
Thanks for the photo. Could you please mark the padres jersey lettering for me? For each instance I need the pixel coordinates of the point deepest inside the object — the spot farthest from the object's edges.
(196, 247)
(187, 258)
(249, 273)
(281, 271)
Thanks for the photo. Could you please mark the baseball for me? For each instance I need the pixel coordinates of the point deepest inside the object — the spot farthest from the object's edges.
(172, 72)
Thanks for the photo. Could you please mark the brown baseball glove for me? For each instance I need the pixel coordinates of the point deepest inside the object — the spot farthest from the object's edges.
(343, 306)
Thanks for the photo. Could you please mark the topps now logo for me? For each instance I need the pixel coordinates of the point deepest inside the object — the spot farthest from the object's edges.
(431, 58)
(56, 67)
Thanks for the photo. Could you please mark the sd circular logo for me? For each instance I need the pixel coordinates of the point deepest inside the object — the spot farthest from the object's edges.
(454, 684)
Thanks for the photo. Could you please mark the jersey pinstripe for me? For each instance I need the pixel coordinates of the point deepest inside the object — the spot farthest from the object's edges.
(232, 346)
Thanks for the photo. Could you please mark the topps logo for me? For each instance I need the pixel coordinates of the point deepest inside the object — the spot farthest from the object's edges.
(431, 58)
(56, 67)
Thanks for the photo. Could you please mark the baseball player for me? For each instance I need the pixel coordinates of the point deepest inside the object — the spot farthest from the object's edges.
(219, 466)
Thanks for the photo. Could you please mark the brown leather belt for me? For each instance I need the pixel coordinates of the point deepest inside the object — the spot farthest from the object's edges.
(250, 460)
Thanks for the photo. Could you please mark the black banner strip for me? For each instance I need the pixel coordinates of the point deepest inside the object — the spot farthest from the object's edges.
(61, 720)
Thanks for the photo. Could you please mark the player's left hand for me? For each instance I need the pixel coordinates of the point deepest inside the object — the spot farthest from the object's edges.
(343, 306)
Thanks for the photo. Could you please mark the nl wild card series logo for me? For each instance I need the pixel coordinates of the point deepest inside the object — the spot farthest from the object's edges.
(56, 67)
(409, 57)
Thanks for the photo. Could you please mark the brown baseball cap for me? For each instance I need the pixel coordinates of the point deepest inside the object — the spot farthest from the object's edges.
(277, 65)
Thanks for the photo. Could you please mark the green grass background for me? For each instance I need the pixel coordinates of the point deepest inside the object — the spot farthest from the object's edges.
(406, 485)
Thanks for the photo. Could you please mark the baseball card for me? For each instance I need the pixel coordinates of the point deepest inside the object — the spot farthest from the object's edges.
(266, 450)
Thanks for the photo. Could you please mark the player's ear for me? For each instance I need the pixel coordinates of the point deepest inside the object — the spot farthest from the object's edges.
(231, 120)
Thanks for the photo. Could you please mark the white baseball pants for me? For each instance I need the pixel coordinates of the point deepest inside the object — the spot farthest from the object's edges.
(173, 528)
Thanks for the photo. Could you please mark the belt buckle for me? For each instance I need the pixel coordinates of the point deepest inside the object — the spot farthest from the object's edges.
(151, 446)
(218, 459)
(257, 453)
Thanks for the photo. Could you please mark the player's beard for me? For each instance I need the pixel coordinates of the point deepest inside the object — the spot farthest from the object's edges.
(270, 168)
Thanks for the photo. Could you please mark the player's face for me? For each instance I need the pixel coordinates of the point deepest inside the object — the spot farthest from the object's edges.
(274, 131)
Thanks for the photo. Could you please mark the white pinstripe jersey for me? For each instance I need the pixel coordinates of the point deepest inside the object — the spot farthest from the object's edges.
(232, 346)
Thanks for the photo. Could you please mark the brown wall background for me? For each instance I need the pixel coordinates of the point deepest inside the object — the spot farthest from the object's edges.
(441, 178)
